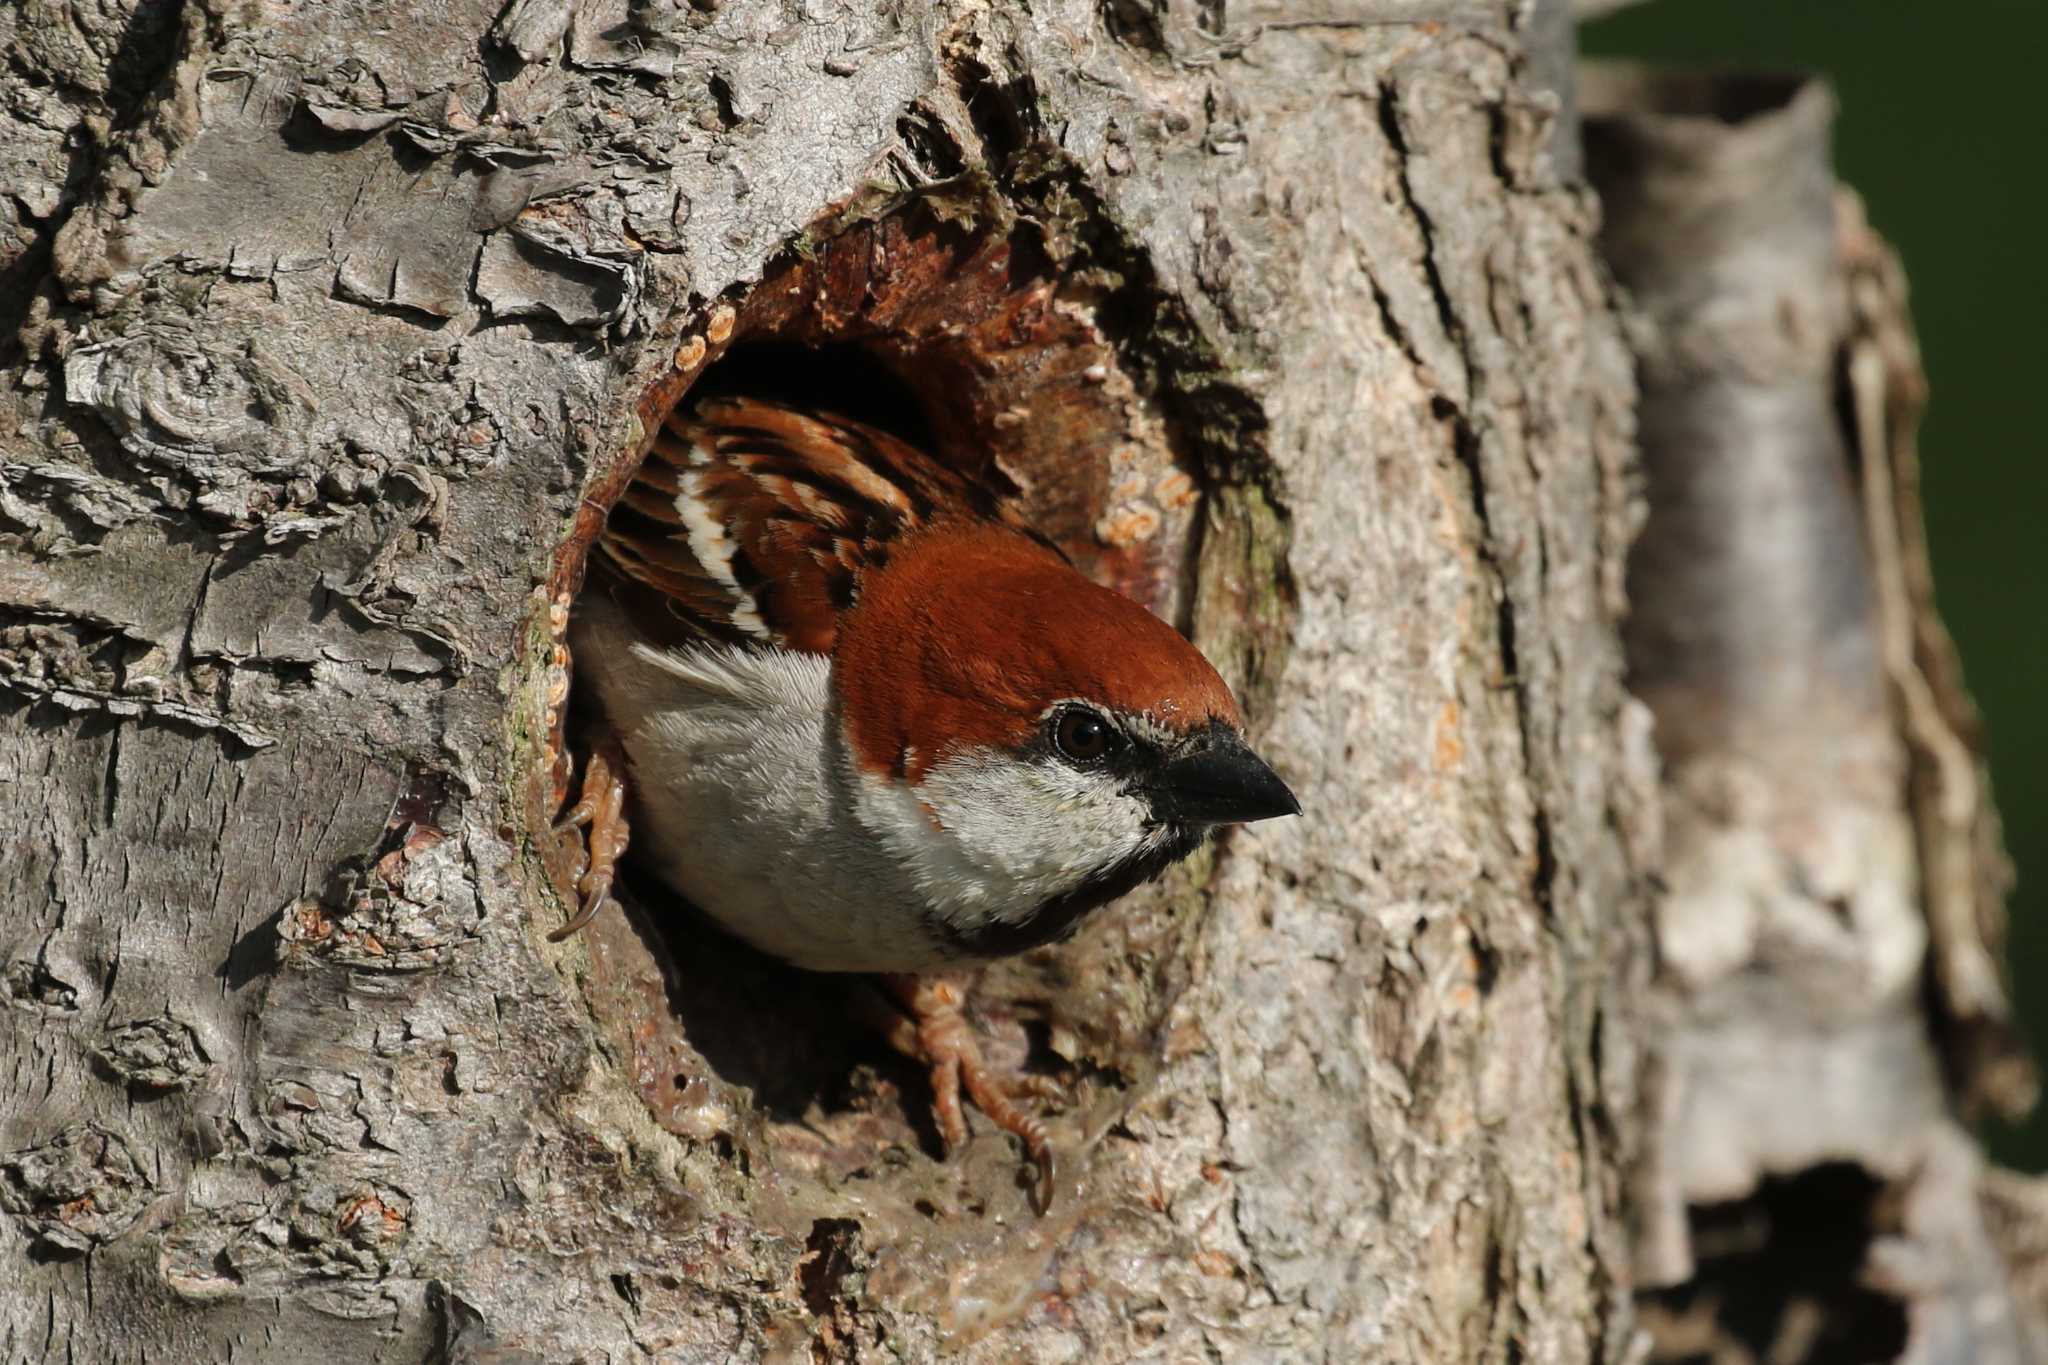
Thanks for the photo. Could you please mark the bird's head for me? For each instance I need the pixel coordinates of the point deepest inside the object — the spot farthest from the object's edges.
(1029, 743)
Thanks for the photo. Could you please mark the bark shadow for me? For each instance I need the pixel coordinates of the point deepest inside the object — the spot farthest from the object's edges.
(800, 1041)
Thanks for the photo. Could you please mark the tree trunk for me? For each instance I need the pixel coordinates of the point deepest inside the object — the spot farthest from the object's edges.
(339, 327)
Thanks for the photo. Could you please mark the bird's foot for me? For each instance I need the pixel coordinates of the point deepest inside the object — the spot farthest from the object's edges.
(600, 811)
(936, 1032)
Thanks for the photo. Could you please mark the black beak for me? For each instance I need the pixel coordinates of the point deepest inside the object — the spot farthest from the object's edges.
(1221, 782)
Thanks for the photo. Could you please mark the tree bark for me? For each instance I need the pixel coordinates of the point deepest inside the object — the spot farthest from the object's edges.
(336, 328)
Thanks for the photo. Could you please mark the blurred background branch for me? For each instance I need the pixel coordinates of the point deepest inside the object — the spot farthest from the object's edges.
(1834, 1015)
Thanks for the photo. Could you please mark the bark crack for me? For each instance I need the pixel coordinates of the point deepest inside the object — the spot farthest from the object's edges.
(112, 782)
(1447, 314)
(1237, 1211)
(1467, 445)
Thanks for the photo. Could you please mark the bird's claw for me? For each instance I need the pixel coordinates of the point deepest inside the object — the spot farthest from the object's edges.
(937, 1033)
(601, 809)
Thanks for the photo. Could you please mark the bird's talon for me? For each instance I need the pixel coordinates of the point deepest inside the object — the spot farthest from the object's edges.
(939, 1035)
(595, 858)
(1042, 1188)
(1029, 1085)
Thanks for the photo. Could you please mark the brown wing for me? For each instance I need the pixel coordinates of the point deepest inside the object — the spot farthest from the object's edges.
(755, 521)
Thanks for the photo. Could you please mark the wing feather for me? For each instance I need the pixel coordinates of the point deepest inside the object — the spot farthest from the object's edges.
(754, 521)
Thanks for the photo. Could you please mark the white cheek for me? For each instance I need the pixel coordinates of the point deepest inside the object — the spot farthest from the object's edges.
(1035, 819)
(991, 837)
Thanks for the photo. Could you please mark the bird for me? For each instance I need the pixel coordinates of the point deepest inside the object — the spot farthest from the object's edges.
(847, 702)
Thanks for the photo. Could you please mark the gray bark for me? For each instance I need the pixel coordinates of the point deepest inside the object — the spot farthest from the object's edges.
(329, 317)
(335, 327)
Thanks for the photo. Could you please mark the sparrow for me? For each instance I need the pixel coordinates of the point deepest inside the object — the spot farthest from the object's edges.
(850, 705)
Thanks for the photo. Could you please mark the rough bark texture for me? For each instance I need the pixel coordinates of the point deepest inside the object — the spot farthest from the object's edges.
(330, 315)
(1829, 1000)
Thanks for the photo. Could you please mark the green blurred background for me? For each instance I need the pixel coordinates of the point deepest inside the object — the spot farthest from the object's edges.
(1942, 130)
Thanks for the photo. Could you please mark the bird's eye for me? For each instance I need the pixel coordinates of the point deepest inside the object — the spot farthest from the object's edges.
(1084, 736)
